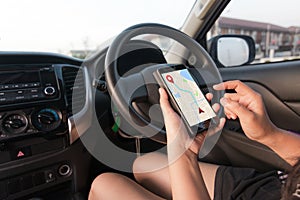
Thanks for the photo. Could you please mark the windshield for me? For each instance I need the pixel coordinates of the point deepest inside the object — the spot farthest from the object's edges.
(74, 26)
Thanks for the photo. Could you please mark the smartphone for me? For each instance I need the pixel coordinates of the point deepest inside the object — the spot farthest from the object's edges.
(186, 97)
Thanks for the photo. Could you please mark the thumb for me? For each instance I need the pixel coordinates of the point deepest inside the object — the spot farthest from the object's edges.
(164, 103)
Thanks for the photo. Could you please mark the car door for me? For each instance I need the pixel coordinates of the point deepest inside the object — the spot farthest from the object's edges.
(275, 74)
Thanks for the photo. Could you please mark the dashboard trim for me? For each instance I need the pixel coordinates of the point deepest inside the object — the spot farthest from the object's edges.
(80, 122)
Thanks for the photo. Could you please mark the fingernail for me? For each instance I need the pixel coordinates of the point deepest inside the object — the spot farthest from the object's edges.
(217, 86)
(223, 101)
(160, 91)
(222, 120)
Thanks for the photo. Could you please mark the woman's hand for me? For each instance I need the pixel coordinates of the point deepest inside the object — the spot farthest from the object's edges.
(183, 154)
(248, 106)
(178, 138)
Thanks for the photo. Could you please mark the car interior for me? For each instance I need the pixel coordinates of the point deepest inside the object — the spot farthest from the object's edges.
(66, 120)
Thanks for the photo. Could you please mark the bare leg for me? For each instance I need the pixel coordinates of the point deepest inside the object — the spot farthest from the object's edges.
(115, 186)
(151, 171)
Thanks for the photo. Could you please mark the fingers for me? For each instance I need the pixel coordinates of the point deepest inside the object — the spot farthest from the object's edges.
(220, 125)
(234, 109)
(216, 129)
(232, 96)
(236, 85)
(216, 107)
(164, 103)
(230, 115)
(241, 90)
(209, 96)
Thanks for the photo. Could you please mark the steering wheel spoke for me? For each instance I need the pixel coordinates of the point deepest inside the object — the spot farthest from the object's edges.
(132, 88)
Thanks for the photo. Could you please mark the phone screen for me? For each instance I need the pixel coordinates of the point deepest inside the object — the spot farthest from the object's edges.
(188, 96)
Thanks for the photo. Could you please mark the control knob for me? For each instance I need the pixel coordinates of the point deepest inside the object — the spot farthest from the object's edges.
(49, 91)
(15, 123)
(47, 119)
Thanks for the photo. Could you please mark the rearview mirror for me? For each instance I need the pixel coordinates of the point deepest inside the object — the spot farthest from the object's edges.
(232, 50)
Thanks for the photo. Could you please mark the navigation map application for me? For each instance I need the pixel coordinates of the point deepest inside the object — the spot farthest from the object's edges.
(188, 96)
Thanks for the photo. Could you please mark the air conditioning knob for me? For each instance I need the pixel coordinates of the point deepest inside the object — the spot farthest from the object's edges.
(47, 119)
(49, 91)
(15, 123)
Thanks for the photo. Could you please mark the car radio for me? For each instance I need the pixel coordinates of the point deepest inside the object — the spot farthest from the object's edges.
(34, 86)
(28, 85)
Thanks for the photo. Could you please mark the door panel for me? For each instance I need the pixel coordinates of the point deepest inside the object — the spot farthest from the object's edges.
(295, 106)
(282, 79)
(279, 84)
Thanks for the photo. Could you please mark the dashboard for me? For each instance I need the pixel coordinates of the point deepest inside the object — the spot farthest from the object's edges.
(51, 105)
(41, 95)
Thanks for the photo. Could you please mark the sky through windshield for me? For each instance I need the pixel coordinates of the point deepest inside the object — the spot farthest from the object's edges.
(63, 25)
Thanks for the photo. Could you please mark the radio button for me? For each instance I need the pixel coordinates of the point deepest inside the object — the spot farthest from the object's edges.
(49, 91)
(18, 98)
(34, 91)
(25, 85)
(3, 100)
(16, 86)
(35, 84)
(35, 96)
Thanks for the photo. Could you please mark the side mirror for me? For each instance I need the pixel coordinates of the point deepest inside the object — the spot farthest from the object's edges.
(232, 50)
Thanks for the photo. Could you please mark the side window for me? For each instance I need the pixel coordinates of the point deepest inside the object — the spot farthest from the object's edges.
(274, 25)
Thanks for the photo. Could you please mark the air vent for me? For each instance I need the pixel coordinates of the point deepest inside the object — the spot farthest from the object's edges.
(74, 89)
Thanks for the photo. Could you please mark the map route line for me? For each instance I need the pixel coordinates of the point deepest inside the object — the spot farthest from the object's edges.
(187, 91)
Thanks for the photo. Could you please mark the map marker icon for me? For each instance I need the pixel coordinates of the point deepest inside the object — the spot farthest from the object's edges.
(170, 78)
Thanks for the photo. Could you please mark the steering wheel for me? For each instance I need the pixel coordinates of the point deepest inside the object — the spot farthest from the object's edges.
(127, 92)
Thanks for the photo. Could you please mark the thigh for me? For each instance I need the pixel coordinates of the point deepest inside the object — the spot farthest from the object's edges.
(115, 186)
(151, 171)
(209, 172)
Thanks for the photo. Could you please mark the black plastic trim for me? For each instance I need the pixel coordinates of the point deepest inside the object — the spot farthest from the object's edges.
(14, 57)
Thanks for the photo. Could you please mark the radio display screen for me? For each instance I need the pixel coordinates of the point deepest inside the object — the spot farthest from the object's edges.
(19, 77)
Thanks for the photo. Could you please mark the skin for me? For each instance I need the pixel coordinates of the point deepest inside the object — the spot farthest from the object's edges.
(184, 169)
(248, 106)
(152, 172)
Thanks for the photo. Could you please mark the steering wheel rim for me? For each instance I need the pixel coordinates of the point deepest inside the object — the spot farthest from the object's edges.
(117, 85)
